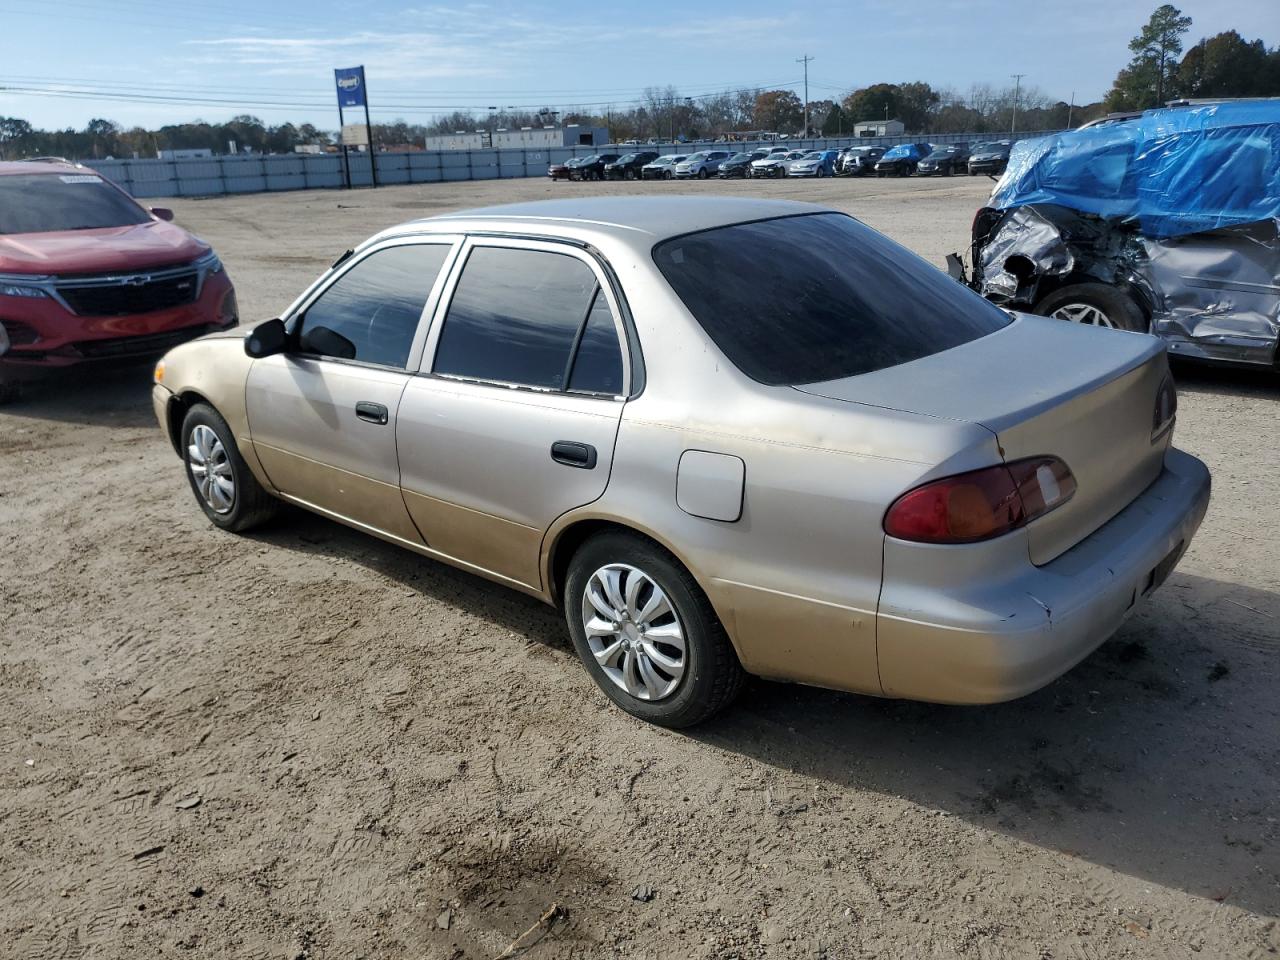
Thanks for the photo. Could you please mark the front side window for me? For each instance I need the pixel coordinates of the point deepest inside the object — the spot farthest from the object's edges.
(371, 312)
(819, 297)
(532, 318)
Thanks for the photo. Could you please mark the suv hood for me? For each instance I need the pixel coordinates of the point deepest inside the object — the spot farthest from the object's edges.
(106, 250)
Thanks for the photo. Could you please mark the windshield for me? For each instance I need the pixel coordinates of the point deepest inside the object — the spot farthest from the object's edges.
(899, 152)
(42, 203)
(741, 156)
(627, 158)
(819, 297)
(990, 148)
(697, 156)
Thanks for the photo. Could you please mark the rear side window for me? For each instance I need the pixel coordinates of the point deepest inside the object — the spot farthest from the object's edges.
(531, 318)
(371, 312)
(819, 297)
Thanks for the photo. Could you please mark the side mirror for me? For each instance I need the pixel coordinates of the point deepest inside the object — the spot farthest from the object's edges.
(266, 339)
(162, 213)
(328, 343)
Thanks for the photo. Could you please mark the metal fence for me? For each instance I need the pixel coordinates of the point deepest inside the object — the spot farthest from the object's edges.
(214, 176)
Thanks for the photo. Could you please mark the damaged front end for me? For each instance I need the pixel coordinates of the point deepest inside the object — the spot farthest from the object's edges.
(1168, 224)
(1213, 295)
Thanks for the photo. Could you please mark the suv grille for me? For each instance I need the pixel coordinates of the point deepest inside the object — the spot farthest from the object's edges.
(141, 295)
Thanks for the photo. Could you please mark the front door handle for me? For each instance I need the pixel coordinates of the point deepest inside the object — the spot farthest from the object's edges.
(573, 454)
(371, 412)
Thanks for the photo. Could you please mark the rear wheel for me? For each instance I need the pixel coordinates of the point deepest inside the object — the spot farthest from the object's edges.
(1094, 304)
(646, 632)
(227, 491)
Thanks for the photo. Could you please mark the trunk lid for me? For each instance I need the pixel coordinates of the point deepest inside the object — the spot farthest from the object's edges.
(1085, 395)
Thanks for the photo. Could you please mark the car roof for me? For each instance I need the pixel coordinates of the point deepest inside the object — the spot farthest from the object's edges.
(625, 218)
(12, 167)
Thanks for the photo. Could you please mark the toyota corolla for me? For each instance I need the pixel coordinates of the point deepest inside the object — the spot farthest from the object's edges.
(725, 437)
(87, 274)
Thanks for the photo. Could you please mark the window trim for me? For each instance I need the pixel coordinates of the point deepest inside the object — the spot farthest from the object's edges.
(605, 283)
(295, 315)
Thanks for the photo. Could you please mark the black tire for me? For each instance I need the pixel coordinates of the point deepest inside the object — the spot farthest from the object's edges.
(668, 175)
(702, 174)
(251, 505)
(1120, 308)
(712, 676)
(821, 172)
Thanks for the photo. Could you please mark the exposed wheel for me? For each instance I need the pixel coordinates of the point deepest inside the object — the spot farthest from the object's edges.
(668, 175)
(630, 174)
(227, 491)
(1094, 304)
(821, 172)
(646, 632)
(702, 174)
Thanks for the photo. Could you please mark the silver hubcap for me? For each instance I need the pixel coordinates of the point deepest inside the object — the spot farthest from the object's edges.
(634, 632)
(1082, 313)
(209, 465)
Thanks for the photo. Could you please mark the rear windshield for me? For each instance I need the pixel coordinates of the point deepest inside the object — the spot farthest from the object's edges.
(819, 297)
(44, 202)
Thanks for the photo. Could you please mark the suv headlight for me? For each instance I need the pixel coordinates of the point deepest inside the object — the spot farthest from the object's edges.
(209, 262)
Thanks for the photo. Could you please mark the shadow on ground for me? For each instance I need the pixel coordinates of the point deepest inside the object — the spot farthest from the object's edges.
(94, 394)
(1157, 757)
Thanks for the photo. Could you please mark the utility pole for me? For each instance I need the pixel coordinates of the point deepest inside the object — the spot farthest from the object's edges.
(806, 60)
(1071, 109)
(1017, 90)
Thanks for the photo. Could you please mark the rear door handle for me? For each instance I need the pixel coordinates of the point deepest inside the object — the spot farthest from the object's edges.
(371, 412)
(573, 454)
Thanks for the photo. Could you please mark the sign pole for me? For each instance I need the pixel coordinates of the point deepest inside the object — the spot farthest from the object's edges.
(368, 132)
(346, 169)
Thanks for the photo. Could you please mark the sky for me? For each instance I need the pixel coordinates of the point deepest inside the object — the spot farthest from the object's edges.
(121, 59)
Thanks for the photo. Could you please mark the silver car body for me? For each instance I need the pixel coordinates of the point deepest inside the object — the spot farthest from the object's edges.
(773, 497)
(707, 161)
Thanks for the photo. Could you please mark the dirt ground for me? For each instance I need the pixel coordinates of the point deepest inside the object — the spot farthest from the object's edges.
(307, 743)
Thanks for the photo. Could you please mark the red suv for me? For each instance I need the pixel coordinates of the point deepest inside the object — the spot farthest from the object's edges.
(87, 274)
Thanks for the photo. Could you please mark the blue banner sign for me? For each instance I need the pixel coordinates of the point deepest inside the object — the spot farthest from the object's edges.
(350, 83)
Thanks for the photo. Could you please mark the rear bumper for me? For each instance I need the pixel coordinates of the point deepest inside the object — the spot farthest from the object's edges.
(1001, 636)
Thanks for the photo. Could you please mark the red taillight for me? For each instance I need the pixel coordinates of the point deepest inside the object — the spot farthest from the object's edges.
(981, 504)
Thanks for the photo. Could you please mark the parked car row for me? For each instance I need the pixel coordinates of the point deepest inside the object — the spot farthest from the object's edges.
(903, 160)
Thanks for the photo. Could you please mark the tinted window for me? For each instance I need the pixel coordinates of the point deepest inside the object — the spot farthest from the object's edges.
(373, 308)
(39, 203)
(598, 365)
(515, 318)
(812, 298)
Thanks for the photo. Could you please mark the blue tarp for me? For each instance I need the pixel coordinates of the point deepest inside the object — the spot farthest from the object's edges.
(903, 150)
(1174, 171)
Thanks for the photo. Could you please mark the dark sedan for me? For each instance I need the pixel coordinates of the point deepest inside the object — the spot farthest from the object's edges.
(858, 161)
(901, 161)
(628, 166)
(990, 158)
(946, 159)
(592, 167)
(740, 163)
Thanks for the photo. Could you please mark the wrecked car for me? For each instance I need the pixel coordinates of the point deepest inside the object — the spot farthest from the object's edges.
(1166, 223)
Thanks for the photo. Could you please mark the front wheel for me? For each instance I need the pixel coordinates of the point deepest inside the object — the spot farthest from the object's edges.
(668, 175)
(821, 172)
(702, 174)
(227, 491)
(1094, 305)
(646, 632)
